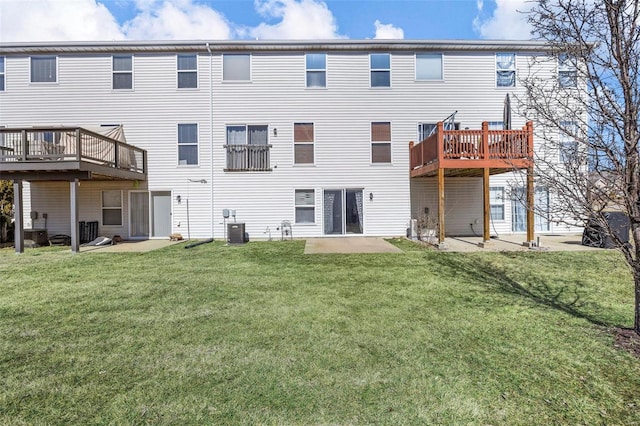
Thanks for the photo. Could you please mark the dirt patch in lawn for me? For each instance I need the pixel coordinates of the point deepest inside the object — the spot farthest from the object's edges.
(629, 340)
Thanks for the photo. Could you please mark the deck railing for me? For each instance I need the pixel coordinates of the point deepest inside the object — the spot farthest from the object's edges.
(69, 144)
(248, 158)
(482, 144)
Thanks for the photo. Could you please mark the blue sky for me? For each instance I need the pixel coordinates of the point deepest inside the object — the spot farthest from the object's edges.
(91, 20)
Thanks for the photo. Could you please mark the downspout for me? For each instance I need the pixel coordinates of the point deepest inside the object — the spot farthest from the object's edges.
(211, 133)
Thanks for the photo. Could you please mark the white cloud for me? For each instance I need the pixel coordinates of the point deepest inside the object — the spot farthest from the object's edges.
(176, 20)
(509, 20)
(56, 20)
(388, 31)
(299, 19)
(91, 20)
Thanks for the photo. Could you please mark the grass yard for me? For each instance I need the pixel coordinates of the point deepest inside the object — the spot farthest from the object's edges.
(263, 334)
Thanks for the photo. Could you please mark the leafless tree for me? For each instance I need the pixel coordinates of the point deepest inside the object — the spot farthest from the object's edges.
(585, 97)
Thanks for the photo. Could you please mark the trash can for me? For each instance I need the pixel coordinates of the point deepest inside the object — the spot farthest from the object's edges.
(594, 235)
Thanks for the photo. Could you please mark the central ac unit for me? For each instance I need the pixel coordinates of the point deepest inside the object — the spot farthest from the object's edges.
(235, 233)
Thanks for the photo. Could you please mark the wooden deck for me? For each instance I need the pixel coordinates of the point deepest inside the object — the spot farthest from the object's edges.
(469, 152)
(67, 153)
(478, 153)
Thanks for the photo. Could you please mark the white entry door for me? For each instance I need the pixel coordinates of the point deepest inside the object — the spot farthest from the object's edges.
(161, 214)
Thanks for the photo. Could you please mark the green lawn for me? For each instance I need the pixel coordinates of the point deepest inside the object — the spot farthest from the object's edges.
(263, 334)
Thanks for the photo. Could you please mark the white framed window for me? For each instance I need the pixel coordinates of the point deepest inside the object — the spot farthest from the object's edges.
(236, 67)
(567, 71)
(122, 72)
(425, 130)
(380, 69)
(187, 66)
(316, 66)
(496, 202)
(187, 144)
(303, 141)
(239, 134)
(505, 69)
(112, 208)
(248, 148)
(496, 125)
(381, 142)
(305, 204)
(44, 69)
(429, 67)
(568, 146)
(2, 84)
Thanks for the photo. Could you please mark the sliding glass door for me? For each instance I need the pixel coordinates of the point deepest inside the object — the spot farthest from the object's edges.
(343, 211)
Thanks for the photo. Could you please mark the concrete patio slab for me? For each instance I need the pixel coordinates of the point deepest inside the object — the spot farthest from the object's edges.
(130, 246)
(349, 245)
(548, 242)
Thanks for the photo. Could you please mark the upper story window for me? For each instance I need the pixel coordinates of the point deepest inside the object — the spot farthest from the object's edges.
(567, 71)
(187, 144)
(505, 69)
(187, 71)
(122, 72)
(1, 73)
(381, 142)
(303, 143)
(428, 66)
(316, 64)
(248, 148)
(380, 65)
(425, 130)
(44, 69)
(236, 67)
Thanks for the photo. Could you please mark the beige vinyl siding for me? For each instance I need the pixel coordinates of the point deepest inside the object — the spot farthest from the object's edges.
(463, 203)
(276, 96)
(53, 198)
(150, 114)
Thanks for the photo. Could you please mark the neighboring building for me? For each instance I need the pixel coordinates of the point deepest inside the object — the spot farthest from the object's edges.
(316, 133)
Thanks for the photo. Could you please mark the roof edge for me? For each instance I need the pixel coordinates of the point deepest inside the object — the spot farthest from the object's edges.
(271, 45)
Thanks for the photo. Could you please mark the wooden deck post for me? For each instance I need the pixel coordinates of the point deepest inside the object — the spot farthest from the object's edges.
(411, 165)
(73, 200)
(485, 141)
(530, 206)
(440, 205)
(18, 216)
(486, 209)
(440, 144)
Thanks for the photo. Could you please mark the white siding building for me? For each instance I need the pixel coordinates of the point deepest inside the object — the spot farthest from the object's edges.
(316, 133)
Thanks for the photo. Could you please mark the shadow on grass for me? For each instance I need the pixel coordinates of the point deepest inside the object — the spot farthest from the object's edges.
(566, 297)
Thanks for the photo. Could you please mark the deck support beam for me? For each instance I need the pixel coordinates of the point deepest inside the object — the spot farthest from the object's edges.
(18, 216)
(486, 208)
(74, 213)
(440, 206)
(530, 207)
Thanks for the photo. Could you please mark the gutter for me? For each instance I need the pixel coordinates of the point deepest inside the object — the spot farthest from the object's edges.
(340, 45)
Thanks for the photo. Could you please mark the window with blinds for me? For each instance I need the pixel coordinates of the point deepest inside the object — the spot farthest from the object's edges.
(305, 206)
(381, 142)
(303, 141)
(44, 69)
